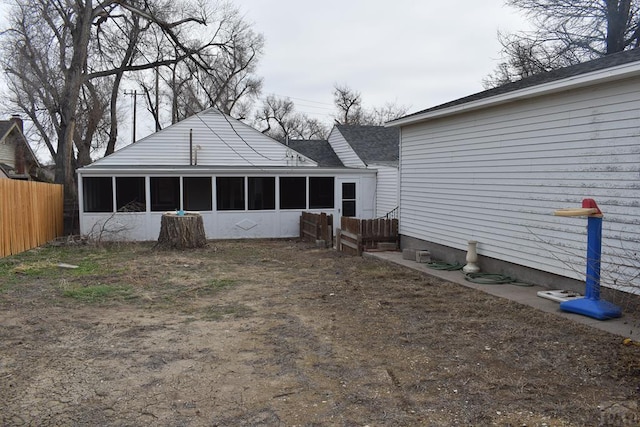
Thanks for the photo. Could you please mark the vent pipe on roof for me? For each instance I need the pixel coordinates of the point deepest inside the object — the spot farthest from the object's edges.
(195, 155)
(190, 147)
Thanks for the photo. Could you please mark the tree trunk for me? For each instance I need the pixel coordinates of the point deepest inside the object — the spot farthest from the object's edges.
(617, 24)
(180, 232)
(74, 78)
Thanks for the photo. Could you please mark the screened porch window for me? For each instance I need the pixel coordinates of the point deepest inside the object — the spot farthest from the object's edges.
(293, 193)
(230, 193)
(130, 194)
(197, 193)
(97, 194)
(262, 193)
(321, 193)
(165, 193)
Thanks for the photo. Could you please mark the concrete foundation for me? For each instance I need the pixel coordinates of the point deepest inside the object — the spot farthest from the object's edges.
(449, 255)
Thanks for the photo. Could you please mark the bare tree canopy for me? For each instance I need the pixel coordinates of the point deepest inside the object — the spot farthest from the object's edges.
(350, 111)
(348, 102)
(65, 61)
(566, 32)
(278, 119)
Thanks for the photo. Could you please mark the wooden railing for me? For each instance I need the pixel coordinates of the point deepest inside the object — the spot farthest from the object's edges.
(317, 227)
(30, 214)
(358, 235)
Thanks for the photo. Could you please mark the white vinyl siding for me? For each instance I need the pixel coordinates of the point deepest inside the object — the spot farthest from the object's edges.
(496, 175)
(7, 153)
(387, 190)
(343, 150)
(222, 141)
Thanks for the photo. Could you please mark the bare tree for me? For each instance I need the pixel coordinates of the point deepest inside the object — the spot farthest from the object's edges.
(389, 111)
(349, 105)
(65, 61)
(277, 116)
(278, 119)
(566, 32)
(351, 112)
(229, 84)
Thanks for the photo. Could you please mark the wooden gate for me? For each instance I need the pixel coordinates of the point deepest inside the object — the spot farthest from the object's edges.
(357, 235)
(317, 227)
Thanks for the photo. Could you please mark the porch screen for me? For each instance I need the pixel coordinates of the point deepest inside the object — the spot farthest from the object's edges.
(130, 194)
(293, 192)
(97, 194)
(165, 193)
(321, 193)
(262, 193)
(197, 193)
(230, 193)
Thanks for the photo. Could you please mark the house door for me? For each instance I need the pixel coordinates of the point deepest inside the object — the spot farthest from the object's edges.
(348, 198)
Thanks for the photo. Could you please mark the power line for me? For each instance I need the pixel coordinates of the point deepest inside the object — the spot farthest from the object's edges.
(301, 99)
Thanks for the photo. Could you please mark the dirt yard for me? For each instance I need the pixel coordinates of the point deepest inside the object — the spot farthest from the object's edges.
(280, 333)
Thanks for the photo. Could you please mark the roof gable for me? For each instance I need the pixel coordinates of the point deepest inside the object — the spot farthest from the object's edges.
(373, 144)
(8, 127)
(209, 138)
(343, 150)
(563, 78)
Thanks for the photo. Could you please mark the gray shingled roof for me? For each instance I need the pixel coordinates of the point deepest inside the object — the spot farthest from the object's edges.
(5, 125)
(317, 150)
(372, 143)
(608, 61)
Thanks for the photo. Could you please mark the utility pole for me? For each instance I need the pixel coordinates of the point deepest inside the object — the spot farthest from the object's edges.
(134, 95)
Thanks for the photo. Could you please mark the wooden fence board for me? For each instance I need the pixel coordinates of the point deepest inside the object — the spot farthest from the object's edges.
(31, 214)
(358, 235)
(317, 227)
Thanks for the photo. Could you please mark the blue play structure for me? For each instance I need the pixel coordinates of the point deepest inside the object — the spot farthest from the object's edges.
(591, 305)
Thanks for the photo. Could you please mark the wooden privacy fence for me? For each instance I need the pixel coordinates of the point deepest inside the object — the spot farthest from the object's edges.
(30, 214)
(358, 235)
(317, 227)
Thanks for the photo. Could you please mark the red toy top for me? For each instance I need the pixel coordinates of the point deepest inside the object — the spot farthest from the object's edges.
(591, 204)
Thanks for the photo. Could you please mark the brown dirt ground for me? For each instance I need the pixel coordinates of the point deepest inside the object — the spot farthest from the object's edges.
(281, 333)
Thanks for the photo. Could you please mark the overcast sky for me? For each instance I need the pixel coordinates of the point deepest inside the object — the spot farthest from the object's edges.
(411, 52)
(416, 53)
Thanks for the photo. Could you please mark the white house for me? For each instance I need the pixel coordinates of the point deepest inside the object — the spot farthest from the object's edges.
(493, 167)
(373, 147)
(17, 159)
(245, 184)
(365, 147)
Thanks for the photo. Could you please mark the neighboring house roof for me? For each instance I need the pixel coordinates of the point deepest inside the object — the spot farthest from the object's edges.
(318, 150)
(11, 131)
(373, 144)
(625, 63)
(5, 127)
(3, 173)
(10, 172)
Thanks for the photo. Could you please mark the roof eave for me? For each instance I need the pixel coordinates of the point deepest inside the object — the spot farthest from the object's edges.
(574, 82)
(200, 170)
